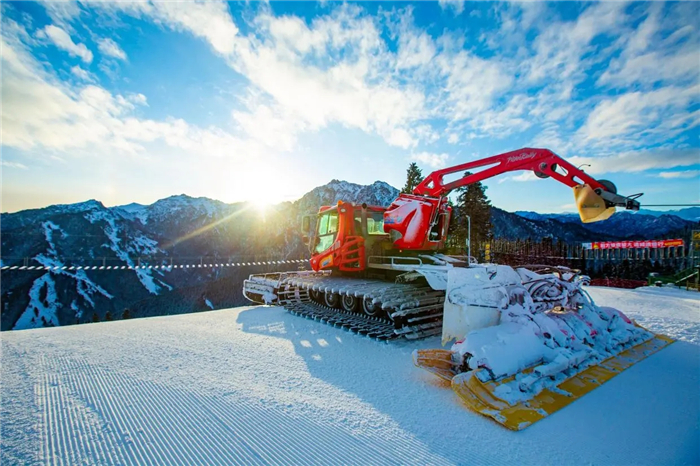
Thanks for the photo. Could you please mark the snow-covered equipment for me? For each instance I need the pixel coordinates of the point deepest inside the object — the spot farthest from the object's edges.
(379, 271)
(531, 341)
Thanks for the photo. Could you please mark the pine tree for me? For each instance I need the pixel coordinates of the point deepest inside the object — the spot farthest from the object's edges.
(108, 316)
(126, 314)
(414, 176)
(95, 317)
(472, 202)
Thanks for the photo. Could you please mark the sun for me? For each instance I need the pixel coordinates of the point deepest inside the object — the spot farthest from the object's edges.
(263, 203)
(260, 188)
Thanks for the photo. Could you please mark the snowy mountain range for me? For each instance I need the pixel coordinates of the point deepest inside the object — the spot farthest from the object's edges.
(689, 213)
(622, 225)
(692, 214)
(176, 230)
(193, 231)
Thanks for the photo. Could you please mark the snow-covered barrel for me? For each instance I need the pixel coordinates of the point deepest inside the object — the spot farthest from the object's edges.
(475, 297)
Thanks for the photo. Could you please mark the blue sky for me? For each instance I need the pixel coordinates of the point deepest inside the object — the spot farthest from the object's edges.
(133, 102)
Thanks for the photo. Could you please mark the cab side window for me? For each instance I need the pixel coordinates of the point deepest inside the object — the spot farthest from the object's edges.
(375, 223)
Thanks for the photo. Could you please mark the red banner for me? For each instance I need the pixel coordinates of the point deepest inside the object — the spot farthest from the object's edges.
(653, 244)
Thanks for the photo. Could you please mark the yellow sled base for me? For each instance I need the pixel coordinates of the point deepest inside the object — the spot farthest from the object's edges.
(435, 361)
(480, 396)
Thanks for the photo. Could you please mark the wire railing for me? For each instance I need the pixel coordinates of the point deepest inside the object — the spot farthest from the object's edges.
(175, 263)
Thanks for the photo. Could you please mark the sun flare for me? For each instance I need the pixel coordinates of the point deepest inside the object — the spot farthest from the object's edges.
(263, 203)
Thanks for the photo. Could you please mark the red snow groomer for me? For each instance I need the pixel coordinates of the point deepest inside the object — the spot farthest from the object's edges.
(382, 272)
(417, 223)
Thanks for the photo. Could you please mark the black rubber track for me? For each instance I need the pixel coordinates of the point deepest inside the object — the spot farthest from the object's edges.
(356, 323)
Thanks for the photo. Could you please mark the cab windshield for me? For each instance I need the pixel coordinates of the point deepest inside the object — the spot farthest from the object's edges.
(327, 228)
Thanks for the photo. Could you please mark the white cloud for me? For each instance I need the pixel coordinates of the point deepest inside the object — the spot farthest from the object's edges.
(338, 69)
(455, 5)
(62, 12)
(63, 41)
(425, 133)
(208, 20)
(472, 83)
(111, 49)
(431, 160)
(415, 49)
(500, 121)
(645, 68)
(291, 32)
(14, 165)
(288, 60)
(399, 137)
(264, 124)
(653, 70)
(82, 74)
(524, 176)
(657, 40)
(137, 99)
(42, 113)
(652, 115)
(638, 161)
(561, 45)
(283, 62)
(548, 69)
(681, 174)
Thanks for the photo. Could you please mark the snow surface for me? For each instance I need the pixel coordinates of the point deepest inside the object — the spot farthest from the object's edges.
(256, 385)
(671, 311)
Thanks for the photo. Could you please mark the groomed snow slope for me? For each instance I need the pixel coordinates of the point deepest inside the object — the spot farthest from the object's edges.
(259, 386)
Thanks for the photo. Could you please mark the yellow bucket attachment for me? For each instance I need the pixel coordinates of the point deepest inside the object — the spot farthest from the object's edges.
(480, 396)
(436, 361)
(591, 207)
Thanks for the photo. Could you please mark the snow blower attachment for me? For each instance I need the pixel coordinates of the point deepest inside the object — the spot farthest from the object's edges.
(535, 342)
(591, 207)
(597, 204)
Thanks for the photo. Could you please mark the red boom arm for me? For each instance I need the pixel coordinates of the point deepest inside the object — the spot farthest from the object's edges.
(543, 162)
(419, 221)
